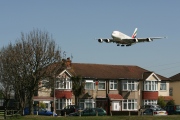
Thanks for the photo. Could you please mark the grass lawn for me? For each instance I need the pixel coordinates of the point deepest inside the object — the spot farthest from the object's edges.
(35, 117)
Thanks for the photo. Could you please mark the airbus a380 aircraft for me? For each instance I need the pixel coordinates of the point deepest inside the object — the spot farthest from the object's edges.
(125, 40)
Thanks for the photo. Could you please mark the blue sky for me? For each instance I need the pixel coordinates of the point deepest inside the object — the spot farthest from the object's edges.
(74, 26)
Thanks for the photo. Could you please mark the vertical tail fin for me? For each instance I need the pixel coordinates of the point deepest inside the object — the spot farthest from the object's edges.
(134, 33)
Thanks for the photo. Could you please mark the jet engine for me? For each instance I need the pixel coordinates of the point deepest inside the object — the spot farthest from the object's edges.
(107, 40)
(100, 40)
(149, 39)
(136, 40)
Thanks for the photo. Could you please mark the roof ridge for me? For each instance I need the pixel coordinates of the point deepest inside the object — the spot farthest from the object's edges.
(105, 64)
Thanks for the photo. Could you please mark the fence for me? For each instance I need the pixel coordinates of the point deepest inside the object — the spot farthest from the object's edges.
(4, 114)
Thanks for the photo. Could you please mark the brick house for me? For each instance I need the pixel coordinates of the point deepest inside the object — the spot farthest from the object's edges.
(112, 87)
(174, 88)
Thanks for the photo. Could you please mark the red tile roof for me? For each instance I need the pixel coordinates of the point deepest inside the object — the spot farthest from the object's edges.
(115, 97)
(167, 98)
(104, 71)
(63, 94)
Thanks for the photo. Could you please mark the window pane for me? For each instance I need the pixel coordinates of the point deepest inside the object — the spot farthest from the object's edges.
(163, 86)
(115, 86)
(111, 86)
(132, 87)
(150, 85)
(129, 86)
(129, 106)
(125, 105)
(89, 85)
(125, 86)
(101, 85)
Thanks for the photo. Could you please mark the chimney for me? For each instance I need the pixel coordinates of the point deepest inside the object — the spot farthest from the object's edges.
(68, 63)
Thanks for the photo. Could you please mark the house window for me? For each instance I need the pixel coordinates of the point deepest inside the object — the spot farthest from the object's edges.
(150, 85)
(44, 83)
(129, 104)
(64, 84)
(90, 85)
(150, 102)
(129, 85)
(113, 84)
(61, 103)
(86, 103)
(102, 85)
(163, 86)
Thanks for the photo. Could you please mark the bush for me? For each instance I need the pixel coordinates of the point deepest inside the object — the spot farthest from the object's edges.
(171, 102)
(42, 105)
(161, 102)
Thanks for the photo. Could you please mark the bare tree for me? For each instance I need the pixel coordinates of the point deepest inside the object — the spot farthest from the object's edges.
(26, 63)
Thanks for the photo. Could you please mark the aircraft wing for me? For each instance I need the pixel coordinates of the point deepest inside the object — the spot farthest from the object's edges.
(128, 41)
(136, 40)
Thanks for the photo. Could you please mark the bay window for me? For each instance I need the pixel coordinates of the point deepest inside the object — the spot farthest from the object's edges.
(150, 85)
(86, 103)
(130, 104)
(64, 84)
(61, 103)
(150, 102)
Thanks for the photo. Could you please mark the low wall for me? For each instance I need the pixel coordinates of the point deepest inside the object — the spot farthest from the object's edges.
(58, 112)
(124, 113)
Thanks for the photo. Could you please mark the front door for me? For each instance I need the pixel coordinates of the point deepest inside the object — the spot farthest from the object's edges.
(115, 105)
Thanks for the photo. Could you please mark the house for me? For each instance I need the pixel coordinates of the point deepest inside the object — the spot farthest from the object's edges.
(113, 87)
(174, 88)
(44, 96)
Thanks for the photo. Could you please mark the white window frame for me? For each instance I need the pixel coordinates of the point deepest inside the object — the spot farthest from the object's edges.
(163, 86)
(129, 85)
(150, 102)
(61, 103)
(90, 85)
(64, 84)
(87, 103)
(101, 83)
(129, 104)
(114, 84)
(150, 85)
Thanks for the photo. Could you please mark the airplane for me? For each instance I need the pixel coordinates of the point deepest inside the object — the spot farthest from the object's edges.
(124, 40)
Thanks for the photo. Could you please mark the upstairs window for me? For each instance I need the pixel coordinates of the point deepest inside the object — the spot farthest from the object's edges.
(64, 84)
(150, 85)
(90, 85)
(113, 84)
(102, 85)
(163, 86)
(129, 85)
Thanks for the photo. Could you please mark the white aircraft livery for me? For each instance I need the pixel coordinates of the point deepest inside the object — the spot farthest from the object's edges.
(125, 40)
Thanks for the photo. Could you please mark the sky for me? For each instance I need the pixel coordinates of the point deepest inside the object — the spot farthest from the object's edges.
(77, 24)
